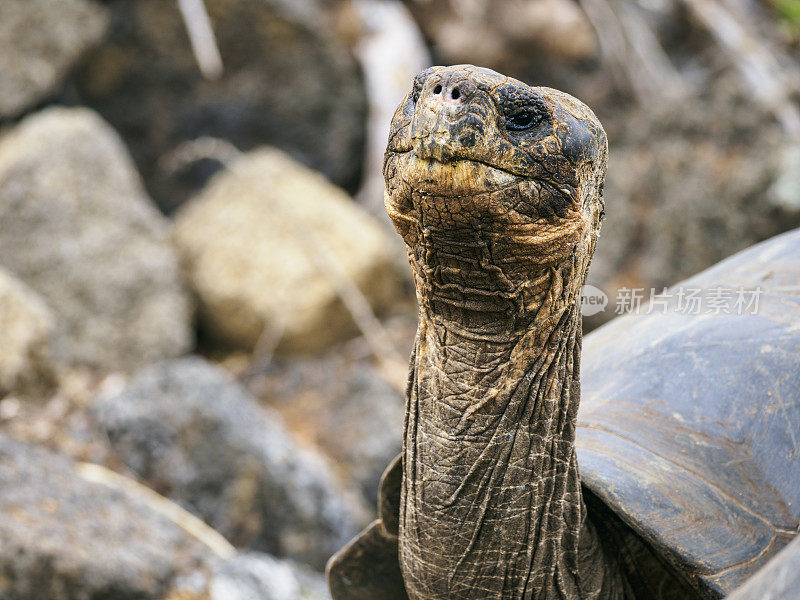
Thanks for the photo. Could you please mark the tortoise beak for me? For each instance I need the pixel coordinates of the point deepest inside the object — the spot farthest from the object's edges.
(440, 129)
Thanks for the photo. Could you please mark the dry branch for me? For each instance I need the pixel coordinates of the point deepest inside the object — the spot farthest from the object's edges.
(183, 519)
(633, 52)
(392, 365)
(201, 36)
(768, 81)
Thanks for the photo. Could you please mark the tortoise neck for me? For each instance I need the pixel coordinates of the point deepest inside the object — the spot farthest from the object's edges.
(490, 473)
(471, 291)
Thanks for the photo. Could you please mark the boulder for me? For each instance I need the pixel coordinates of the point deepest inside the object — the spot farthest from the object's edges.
(287, 81)
(77, 227)
(257, 576)
(343, 404)
(267, 244)
(26, 327)
(64, 538)
(198, 438)
(39, 41)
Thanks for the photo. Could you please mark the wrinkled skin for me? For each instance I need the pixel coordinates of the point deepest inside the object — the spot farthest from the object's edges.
(495, 187)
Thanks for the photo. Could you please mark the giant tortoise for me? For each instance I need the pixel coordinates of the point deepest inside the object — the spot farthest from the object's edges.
(688, 436)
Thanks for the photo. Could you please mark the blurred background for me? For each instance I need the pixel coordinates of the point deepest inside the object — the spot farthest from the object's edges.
(205, 316)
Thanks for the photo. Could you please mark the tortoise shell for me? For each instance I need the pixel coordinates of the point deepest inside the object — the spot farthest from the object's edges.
(688, 430)
(779, 580)
(689, 424)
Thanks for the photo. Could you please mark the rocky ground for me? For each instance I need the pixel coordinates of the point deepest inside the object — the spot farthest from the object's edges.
(204, 315)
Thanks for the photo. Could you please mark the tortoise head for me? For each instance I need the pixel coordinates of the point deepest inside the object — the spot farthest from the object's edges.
(482, 167)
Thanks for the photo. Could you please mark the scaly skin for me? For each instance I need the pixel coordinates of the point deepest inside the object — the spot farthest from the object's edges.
(496, 188)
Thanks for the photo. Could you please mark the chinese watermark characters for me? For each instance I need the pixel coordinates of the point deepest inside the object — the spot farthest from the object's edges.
(681, 300)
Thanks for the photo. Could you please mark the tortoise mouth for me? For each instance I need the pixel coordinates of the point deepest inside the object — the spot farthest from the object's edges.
(470, 191)
(454, 177)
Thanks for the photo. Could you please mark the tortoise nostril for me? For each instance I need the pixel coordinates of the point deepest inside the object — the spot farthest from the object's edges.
(456, 94)
(437, 89)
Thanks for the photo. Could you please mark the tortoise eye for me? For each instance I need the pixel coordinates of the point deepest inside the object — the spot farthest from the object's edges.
(522, 119)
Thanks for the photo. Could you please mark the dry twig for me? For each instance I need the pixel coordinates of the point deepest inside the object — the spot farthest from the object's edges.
(392, 365)
(633, 52)
(183, 519)
(201, 36)
(764, 77)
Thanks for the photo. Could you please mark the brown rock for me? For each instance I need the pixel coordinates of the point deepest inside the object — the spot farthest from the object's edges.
(258, 244)
(26, 327)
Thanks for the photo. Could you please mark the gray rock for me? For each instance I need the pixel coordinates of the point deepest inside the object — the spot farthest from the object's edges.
(287, 82)
(76, 226)
(258, 244)
(363, 426)
(197, 437)
(26, 326)
(256, 576)
(63, 538)
(39, 41)
(342, 404)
